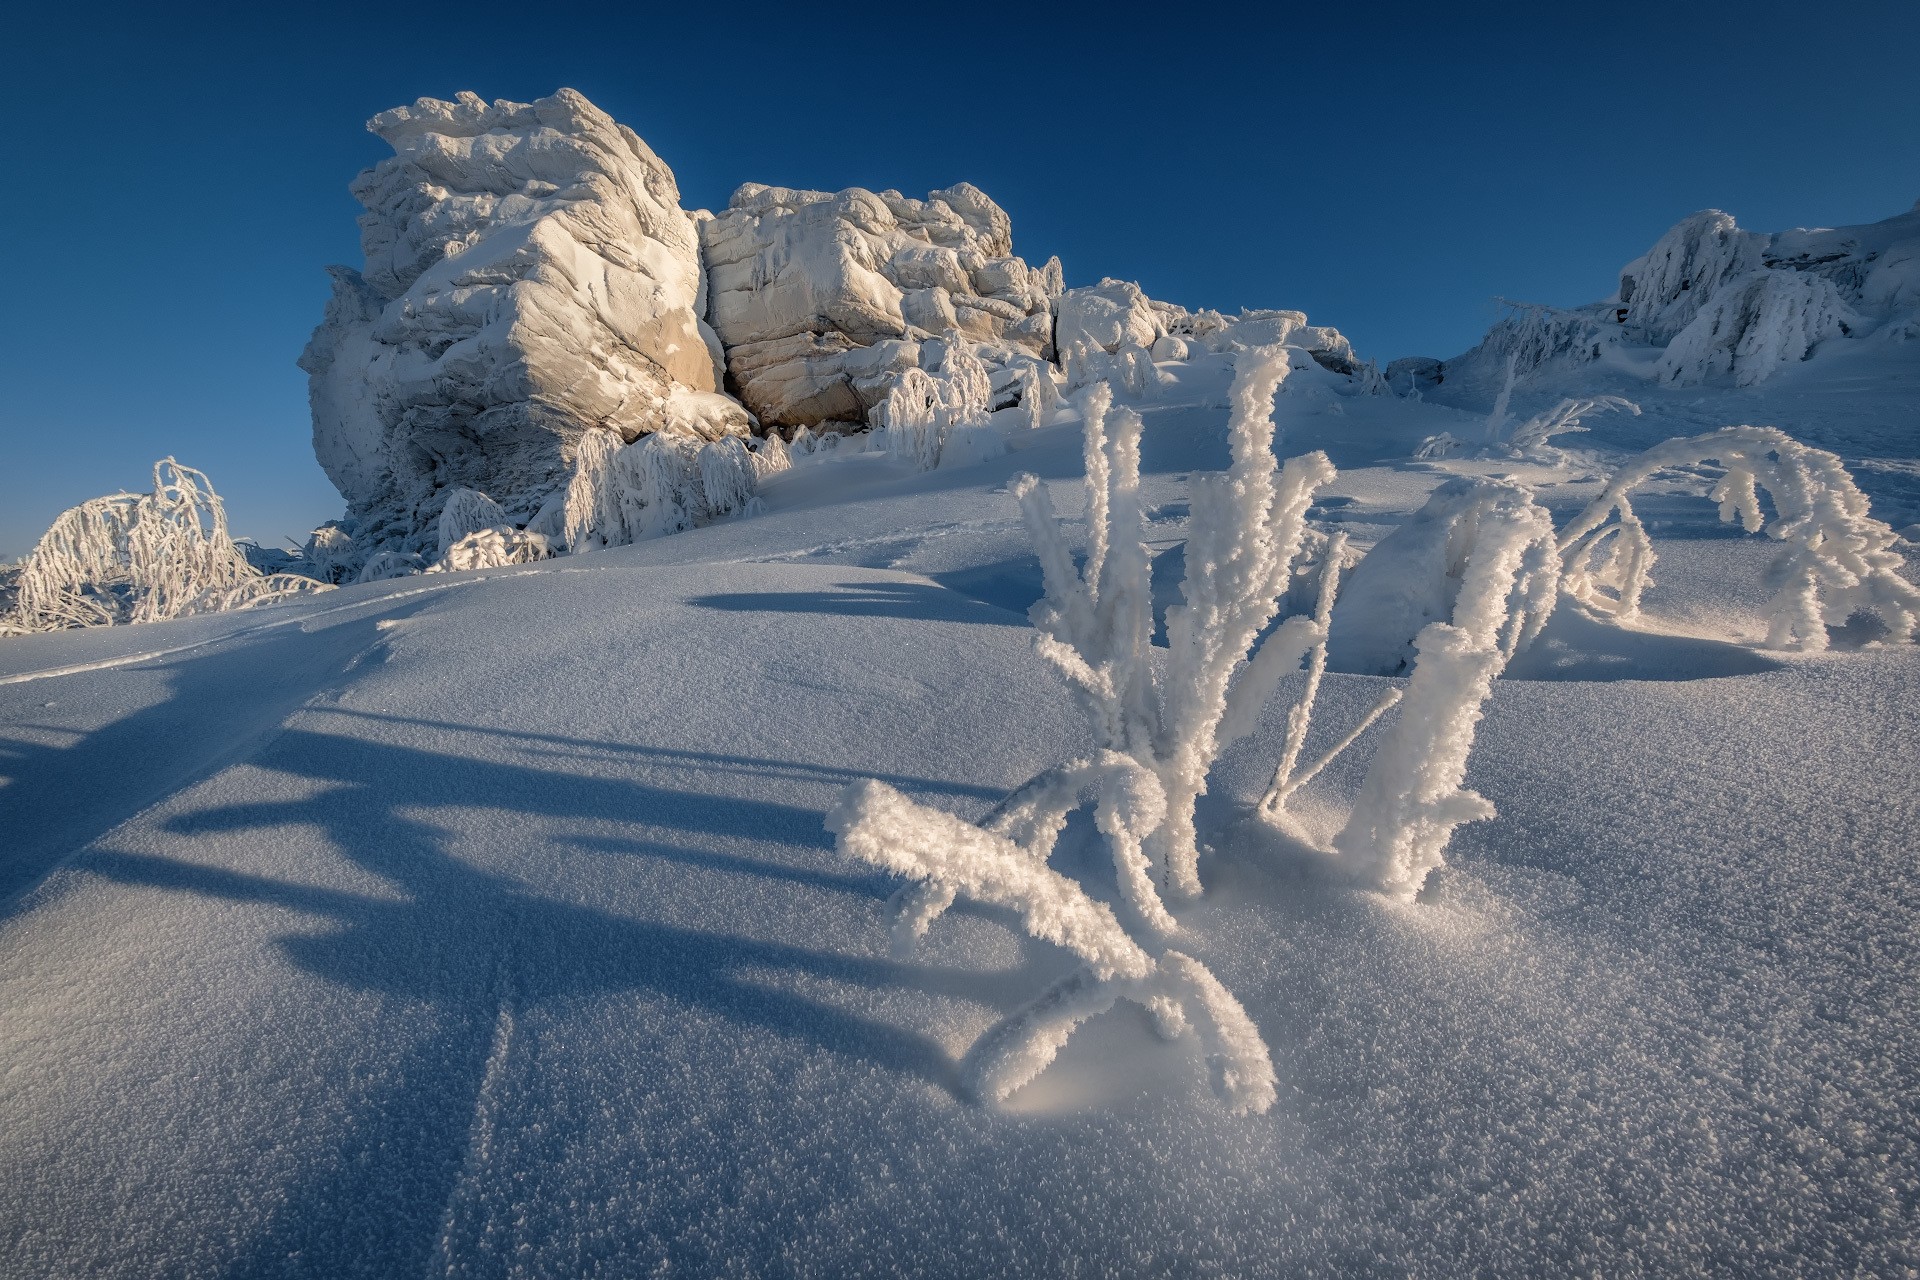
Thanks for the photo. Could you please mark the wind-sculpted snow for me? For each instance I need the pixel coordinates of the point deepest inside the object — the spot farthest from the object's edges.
(822, 300)
(529, 274)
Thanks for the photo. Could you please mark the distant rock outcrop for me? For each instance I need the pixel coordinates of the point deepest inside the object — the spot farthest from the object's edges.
(1713, 302)
(529, 274)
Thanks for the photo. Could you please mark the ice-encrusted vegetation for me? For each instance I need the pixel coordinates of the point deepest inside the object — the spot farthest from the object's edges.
(1839, 561)
(142, 557)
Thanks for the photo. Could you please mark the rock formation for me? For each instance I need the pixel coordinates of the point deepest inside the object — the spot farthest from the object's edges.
(821, 300)
(531, 278)
(529, 274)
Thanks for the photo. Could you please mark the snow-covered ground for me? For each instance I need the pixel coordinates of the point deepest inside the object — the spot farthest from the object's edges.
(485, 923)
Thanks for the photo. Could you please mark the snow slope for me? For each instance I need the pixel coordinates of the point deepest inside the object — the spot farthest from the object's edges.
(484, 923)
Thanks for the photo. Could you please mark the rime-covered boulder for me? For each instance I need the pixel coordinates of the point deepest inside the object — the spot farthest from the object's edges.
(529, 274)
(822, 299)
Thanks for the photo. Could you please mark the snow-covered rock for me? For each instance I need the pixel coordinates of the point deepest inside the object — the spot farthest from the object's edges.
(822, 299)
(529, 274)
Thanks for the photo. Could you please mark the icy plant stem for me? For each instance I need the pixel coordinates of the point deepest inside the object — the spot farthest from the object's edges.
(1300, 715)
(1276, 798)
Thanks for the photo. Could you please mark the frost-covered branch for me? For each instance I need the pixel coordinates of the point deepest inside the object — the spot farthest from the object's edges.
(1839, 560)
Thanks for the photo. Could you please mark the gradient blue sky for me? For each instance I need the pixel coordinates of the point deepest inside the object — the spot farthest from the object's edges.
(180, 172)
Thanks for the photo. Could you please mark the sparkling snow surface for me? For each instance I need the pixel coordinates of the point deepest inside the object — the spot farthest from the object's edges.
(485, 924)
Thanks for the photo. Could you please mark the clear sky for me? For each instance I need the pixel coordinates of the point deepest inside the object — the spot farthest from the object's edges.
(180, 172)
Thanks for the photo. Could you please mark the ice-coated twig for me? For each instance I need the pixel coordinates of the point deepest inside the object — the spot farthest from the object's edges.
(1300, 715)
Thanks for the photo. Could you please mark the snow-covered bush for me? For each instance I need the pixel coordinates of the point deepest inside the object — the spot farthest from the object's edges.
(925, 411)
(1454, 593)
(1159, 727)
(466, 513)
(331, 554)
(1134, 367)
(492, 548)
(660, 484)
(383, 565)
(727, 476)
(1839, 560)
(146, 557)
(1533, 439)
(1480, 555)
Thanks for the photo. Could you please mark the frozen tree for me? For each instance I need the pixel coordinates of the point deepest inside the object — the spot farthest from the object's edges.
(1159, 727)
(142, 558)
(390, 564)
(593, 516)
(1134, 367)
(330, 553)
(1838, 561)
(727, 476)
(660, 484)
(926, 413)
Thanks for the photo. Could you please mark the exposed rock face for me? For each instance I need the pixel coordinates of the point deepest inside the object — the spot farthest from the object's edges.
(821, 300)
(529, 275)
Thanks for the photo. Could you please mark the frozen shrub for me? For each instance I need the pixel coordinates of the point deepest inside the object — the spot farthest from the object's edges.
(660, 484)
(1533, 439)
(467, 512)
(923, 410)
(593, 516)
(330, 553)
(142, 558)
(1412, 797)
(1159, 727)
(390, 564)
(1838, 561)
(727, 476)
(494, 548)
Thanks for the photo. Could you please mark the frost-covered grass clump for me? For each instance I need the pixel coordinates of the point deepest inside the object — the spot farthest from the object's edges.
(1159, 733)
(141, 557)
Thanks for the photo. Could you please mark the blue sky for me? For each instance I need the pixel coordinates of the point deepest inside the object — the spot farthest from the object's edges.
(179, 174)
